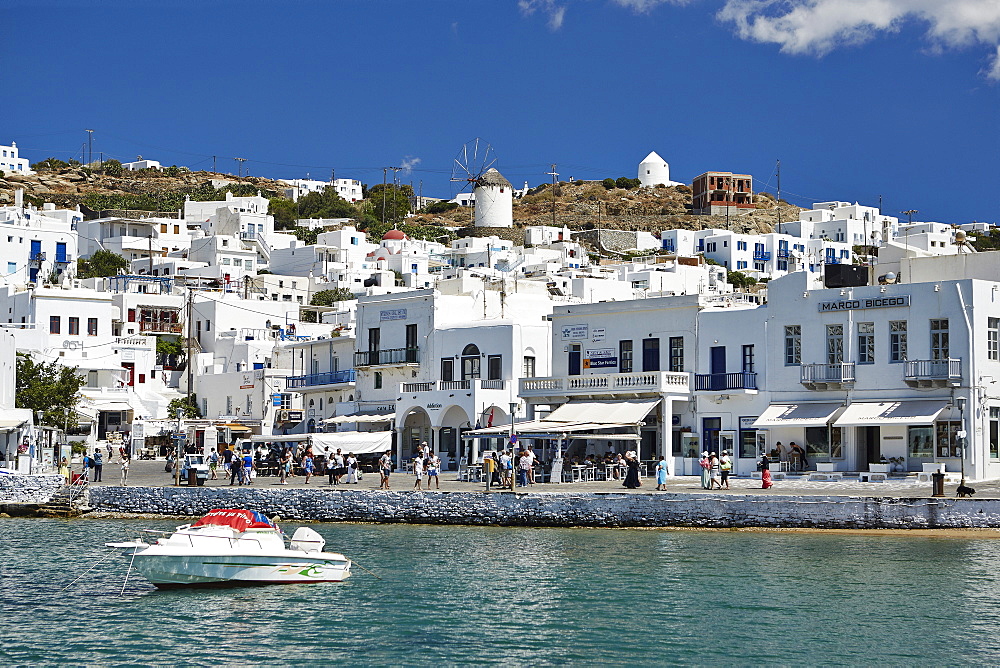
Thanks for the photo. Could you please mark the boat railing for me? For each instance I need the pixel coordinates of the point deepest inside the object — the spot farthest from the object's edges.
(232, 541)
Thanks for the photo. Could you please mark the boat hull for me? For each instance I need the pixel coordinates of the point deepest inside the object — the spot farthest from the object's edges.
(167, 570)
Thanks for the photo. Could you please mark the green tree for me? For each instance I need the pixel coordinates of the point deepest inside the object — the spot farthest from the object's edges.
(189, 408)
(50, 165)
(49, 388)
(283, 211)
(305, 235)
(740, 280)
(440, 207)
(325, 203)
(326, 298)
(389, 202)
(113, 168)
(627, 183)
(102, 263)
(609, 183)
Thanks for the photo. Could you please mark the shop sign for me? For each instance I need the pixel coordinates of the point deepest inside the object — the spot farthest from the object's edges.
(868, 302)
(392, 314)
(575, 331)
(598, 334)
(600, 357)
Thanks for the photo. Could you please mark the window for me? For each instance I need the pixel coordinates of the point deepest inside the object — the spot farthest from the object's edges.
(248, 265)
(748, 361)
(824, 443)
(866, 343)
(993, 338)
(284, 401)
(470, 362)
(948, 444)
(939, 340)
(447, 369)
(378, 380)
(208, 325)
(11, 266)
(225, 260)
(74, 326)
(55, 324)
(494, 367)
(229, 405)
(237, 262)
(529, 367)
(897, 340)
(650, 354)
(994, 432)
(91, 326)
(625, 356)
(793, 345)
(676, 344)
(920, 442)
(834, 344)
(163, 228)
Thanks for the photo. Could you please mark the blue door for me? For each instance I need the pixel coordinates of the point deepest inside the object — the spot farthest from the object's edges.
(575, 355)
(36, 249)
(717, 367)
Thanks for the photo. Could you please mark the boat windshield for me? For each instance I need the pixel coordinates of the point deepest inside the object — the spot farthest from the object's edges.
(240, 520)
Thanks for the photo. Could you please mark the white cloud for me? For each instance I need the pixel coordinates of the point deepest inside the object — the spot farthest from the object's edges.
(408, 163)
(555, 10)
(820, 26)
(646, 6)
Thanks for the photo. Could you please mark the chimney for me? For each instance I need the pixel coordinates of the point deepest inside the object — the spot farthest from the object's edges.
(19, 198)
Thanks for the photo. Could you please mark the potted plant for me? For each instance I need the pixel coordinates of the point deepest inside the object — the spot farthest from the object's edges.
(883, 466)
(897, 463)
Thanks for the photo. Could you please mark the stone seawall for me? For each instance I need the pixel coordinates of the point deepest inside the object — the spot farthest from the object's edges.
(29, 488)
(561, 509)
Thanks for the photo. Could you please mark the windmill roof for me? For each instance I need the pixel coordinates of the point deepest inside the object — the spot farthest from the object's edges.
(493, 178)
(652, 157)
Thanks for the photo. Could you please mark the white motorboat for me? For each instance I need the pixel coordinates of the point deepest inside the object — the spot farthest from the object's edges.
(234, 547)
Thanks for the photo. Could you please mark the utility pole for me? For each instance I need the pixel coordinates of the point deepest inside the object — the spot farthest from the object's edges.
(90, 145)
(909, 215)
(240, 162)
(779, 196)
(553, 174)
(395, 191)
(385, 170)
(214, 171)
(151, 250)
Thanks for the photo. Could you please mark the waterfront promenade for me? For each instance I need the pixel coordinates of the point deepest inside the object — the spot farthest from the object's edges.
(150, 473)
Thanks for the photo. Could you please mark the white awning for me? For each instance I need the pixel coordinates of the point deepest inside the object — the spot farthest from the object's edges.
(920, 411)
(113, 406)
(11, 425)
(358, 442)
(545, 427)
(611, 412)
(360, 417)
(796, 415)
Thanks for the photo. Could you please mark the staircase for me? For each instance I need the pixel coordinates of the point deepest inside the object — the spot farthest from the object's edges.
(68, 501)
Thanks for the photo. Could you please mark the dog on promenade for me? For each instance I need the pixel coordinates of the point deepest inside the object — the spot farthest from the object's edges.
(965, 490)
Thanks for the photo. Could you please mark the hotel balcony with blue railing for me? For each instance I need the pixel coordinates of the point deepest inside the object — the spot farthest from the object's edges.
(739, 381)
(326, 378)
(762, 256)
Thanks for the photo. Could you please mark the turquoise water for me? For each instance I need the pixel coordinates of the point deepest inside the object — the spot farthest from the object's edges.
(472, 595)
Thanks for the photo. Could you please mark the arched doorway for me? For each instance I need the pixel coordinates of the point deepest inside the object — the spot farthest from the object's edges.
(416, 428)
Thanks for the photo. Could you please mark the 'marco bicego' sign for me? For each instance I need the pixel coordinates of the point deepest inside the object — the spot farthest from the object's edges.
(867, 302)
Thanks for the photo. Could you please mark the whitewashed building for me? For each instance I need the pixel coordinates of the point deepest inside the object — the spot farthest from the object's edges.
(12, 162)
(37, 245)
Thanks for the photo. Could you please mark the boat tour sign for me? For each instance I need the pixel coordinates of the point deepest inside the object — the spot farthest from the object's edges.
(601, 357)
(867, 302)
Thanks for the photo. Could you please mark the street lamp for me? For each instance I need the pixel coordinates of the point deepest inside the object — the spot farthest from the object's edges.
(960, 402)
(513, 408)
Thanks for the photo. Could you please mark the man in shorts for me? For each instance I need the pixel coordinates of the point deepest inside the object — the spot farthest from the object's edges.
(433, 468)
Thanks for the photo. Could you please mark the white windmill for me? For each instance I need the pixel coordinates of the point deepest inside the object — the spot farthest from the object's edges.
(492, 194)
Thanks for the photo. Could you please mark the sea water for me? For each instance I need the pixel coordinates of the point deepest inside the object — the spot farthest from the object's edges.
(516, 596)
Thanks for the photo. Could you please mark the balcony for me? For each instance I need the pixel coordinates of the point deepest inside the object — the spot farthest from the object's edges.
(390, 357)
(739, 382)
(316, 379)
(783, 254)
(64, 258)
(452, 385)
(607, 385)
(827, 376)
(932, 373)
(37, 258)
(160, 327)
(762, 256)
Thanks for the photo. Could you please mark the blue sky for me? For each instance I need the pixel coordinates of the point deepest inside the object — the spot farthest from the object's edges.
(857, 98)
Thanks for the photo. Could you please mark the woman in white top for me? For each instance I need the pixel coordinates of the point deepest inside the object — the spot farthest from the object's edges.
(352, 468)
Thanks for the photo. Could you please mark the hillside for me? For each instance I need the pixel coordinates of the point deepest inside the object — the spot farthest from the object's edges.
(579, 205)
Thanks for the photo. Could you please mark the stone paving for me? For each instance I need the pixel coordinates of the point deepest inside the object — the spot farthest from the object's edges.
(150, 473)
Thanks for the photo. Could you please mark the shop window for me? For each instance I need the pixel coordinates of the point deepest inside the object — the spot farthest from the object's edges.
(946, 432)
(920, 442)
(994, 432)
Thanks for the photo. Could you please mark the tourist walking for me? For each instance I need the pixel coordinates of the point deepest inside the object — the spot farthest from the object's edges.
(284, 466)
(385, 469)
(213, 464)
(418, 471)
(433, 471)
(715, 472)
(227, 463)
(661, 474)
(506, 467)
(531, 468)
(308, 466)
(632, 472)
(351, 462)
(124, 471)
(706, 466)
(523, 466)
(764, 465)
(64, 470)
(247, 469)
(725, 467)
(98, 464)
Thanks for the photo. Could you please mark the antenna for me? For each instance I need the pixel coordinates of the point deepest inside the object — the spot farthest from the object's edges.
(90, 145)
(553, 174)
